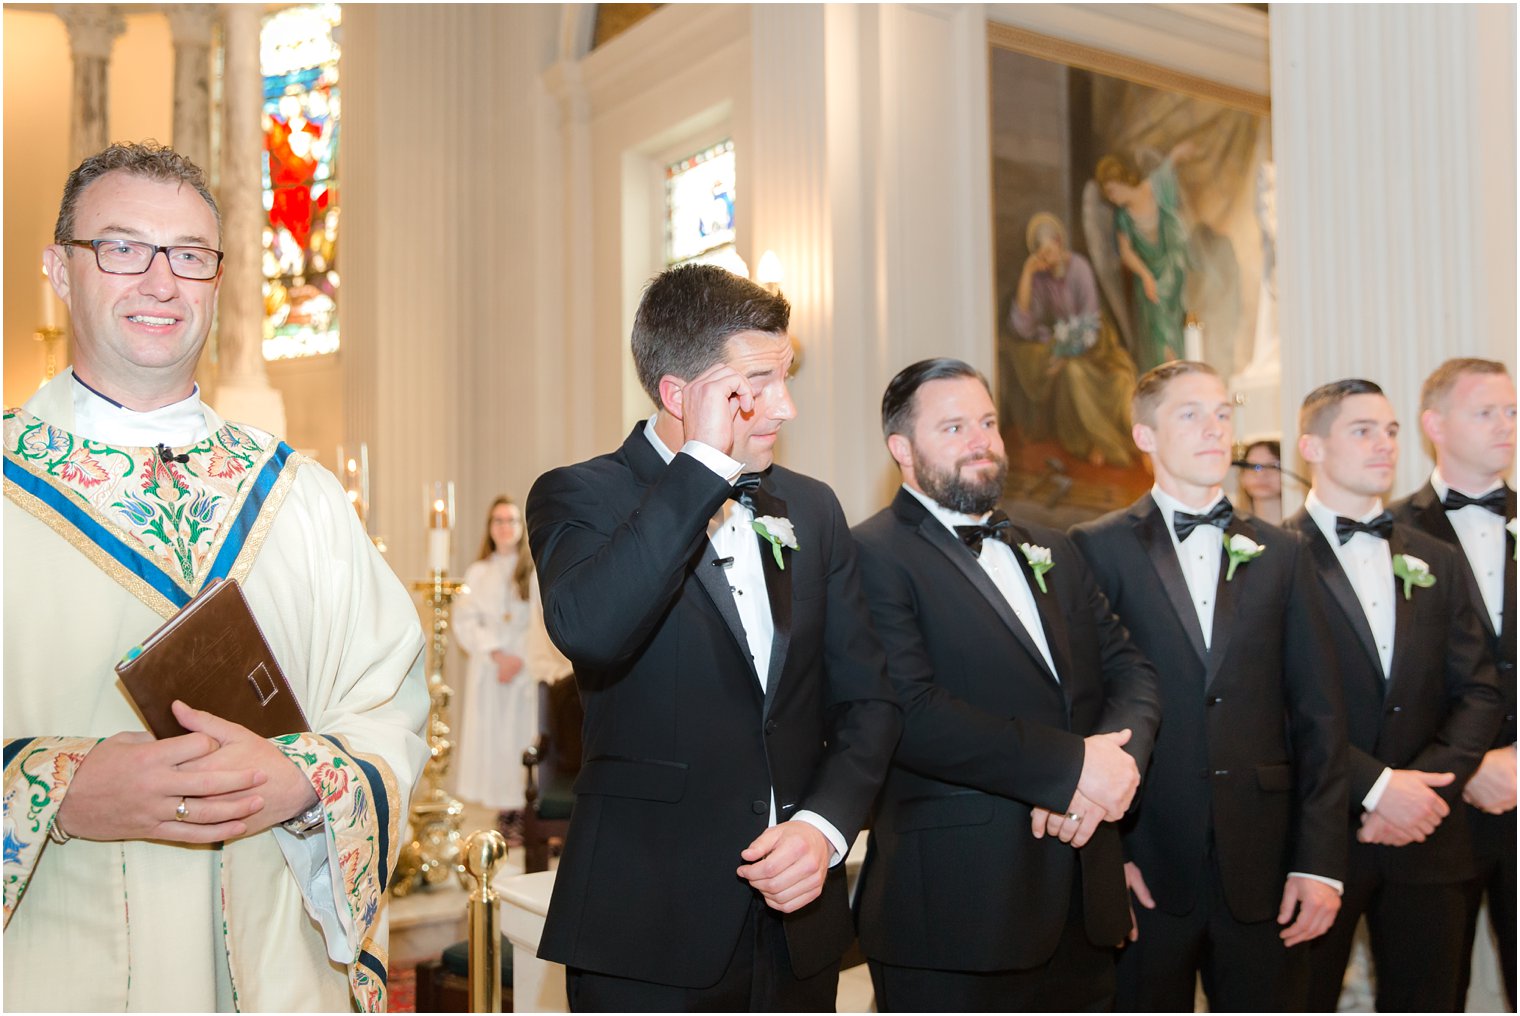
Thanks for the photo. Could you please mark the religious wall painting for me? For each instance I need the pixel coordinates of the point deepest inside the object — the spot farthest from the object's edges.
(1128, 231)
(299, 61)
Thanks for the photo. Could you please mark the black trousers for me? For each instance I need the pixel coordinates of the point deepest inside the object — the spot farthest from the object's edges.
(1494, 839)
(1416, 933)
(1079, 977)
(1244, 965)
(759, 978)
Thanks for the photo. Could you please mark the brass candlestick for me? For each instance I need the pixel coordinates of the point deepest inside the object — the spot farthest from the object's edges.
(436, 847)
(49, 336)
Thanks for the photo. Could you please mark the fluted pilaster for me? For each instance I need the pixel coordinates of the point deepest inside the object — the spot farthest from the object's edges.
(93, 29)
(1394, 135)
(243, 392)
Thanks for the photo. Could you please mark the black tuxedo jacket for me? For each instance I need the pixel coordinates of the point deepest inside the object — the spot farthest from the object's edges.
(954, 879)
(1423, 511)
(681, 747)
(1251, 756)
(1438, 710)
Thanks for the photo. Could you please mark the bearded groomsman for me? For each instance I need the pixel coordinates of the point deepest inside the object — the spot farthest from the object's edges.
(1422, 706)
(1467, 411)
(994, 881)
(1236, 844)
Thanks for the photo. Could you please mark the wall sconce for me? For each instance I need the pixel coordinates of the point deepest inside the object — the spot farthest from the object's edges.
(769, 273)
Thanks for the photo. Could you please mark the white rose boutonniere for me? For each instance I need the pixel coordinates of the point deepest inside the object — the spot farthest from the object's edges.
(1414, 572)
(1240, 549)
(779, 533)
(1514, 538)
(1039, 562)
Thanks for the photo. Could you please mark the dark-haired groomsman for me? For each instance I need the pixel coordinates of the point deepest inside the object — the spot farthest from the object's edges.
(738, 715)
(1237, 842)
(1467, 410)
(994, 881)
(1421, 705)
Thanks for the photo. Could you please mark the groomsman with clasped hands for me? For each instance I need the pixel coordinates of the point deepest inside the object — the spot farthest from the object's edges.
(1236, 842)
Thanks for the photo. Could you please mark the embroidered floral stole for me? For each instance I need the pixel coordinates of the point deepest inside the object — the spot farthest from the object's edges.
(163, 529)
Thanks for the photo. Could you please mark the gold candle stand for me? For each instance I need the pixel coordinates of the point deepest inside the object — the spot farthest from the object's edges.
(436, 847)
(49, 336)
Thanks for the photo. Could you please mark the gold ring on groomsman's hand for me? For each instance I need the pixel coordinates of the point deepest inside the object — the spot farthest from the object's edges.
(1072, 816)
(182, 812)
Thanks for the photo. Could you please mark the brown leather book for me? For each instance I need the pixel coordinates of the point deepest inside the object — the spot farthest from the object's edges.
(212, 656)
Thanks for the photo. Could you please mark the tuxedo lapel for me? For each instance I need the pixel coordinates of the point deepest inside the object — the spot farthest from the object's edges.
(1507, 612)
(1403, 608)
(1225, 597)
(1150, 529)
(1432, 516)
(957, 554)
(1051, 616)
(1334, 578)
(778, 589)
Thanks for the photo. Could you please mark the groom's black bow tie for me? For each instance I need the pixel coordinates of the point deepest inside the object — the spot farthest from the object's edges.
(1493, 501)
(1381, 527)
(995, 528)
(744, 490)
(1219, 515)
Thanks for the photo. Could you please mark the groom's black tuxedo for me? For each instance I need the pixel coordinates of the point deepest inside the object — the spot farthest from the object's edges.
(682, 749)
(954, 880)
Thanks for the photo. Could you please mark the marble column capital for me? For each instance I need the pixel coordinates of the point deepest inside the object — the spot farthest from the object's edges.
(92, 28)
(191, 24)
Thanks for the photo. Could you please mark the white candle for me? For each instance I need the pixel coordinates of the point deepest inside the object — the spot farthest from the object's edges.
(1192, 339)
(438, 550)
(49, 303)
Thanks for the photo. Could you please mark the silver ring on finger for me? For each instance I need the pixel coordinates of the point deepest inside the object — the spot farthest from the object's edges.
(1072, 816)
(182, 812)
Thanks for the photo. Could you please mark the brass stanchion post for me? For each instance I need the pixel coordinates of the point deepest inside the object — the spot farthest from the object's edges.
(483, 851)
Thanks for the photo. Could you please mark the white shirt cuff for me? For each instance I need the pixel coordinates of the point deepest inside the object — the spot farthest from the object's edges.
(1336, 884)
(1370, 802)
(307, 857)
(713, 459)
(831, 834)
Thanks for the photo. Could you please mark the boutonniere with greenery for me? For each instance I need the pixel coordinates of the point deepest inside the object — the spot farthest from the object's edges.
(1414, 572)
(1039, 562)
(1513, 537)
(1240, 549)
(779, 533)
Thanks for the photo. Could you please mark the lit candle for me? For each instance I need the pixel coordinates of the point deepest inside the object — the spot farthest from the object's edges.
(440, 512)
(49, 303)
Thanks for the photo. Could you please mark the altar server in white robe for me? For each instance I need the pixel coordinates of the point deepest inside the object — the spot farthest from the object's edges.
(217, 869)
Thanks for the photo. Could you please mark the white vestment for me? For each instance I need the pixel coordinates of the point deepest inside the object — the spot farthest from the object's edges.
(102, 543)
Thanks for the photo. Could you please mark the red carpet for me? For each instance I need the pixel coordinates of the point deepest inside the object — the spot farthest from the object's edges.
(403, 985)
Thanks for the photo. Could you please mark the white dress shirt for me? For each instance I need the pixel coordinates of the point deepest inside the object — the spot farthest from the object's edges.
(1368, 564)
(997, 561)
(1199, 556)
(1481, 534)
(733, 537)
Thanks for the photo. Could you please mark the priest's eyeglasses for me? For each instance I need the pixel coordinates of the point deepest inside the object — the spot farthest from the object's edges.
(130, 257)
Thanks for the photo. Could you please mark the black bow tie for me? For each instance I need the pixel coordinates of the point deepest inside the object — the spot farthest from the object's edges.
(995, 528)
(1381, 527)
(744, 490)
(1493, 501)
(1185, 522)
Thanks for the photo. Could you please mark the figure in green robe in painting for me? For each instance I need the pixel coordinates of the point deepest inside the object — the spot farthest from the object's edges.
(1153, 246)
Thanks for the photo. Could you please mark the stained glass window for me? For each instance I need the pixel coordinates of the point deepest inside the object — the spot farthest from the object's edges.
(299, 57)
(699, 207)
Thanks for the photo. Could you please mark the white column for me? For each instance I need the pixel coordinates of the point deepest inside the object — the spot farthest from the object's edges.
(243, 393)
(870, 179)
(191, 26)
(1394, 136)
(92, 30)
